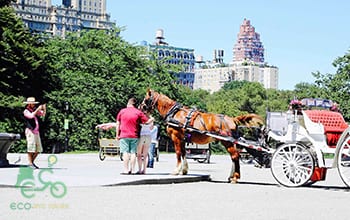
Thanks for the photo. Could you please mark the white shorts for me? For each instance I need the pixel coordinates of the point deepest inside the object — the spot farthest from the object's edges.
(33, 142)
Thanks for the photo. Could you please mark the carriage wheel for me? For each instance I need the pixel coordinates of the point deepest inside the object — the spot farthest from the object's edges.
(201, 160)
(344, 161)
(206, 159)
(101, 154)
(292, 165)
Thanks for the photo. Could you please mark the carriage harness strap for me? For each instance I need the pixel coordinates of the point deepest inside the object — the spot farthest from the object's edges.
(223, 130)
(169, 116)
(190, 117)
(188, 125)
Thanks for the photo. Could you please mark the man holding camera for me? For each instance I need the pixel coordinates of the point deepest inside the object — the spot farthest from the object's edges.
(31, 114)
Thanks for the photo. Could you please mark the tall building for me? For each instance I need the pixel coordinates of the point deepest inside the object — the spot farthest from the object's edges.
(73, 16)
(177, 56)
(211, 77)
(92, 6)
(248, 46)
(248, 64)
(264, 74)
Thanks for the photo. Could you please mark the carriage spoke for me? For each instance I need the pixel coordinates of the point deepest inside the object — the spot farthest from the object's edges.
(292, 165)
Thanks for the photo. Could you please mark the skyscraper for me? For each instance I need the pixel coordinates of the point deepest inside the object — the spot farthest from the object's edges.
(248, 46)
(248, 64)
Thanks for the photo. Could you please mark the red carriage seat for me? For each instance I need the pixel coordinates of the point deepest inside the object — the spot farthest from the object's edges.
(333, 122)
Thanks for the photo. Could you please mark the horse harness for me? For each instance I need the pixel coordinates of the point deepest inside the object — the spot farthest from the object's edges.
(190, 118)
(189, 122)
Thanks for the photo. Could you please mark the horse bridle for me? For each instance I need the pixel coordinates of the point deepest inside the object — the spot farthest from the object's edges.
(152, 100)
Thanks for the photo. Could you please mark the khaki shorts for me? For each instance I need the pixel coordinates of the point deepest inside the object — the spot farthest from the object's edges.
(33, 142)
(145, 140)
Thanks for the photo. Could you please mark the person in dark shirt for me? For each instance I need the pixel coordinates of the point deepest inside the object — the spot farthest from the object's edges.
(31, 114)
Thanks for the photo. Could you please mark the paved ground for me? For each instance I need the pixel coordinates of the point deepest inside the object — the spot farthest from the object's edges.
(88, 170)
(96, 190)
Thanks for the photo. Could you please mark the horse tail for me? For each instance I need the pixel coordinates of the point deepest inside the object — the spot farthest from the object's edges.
(249, 120)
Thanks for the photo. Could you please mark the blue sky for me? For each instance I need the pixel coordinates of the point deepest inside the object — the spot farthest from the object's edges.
(299, 37)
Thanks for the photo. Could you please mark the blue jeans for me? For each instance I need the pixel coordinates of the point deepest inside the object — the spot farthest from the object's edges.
(151, 154)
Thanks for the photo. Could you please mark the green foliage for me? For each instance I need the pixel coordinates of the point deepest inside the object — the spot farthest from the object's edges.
(277, 101)
(98, 72)
(22, 72)
(337, 86)
(193, 98)
(308, 90)
(238, 98)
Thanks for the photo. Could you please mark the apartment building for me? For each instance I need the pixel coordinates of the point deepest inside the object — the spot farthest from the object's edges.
(40, 16)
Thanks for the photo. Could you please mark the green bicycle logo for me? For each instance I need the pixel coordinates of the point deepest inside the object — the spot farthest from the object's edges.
(25, 181)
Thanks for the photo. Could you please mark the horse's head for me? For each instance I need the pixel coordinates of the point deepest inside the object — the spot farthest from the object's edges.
(149, 102)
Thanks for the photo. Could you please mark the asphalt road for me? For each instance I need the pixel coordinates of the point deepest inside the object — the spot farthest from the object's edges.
(256, 196)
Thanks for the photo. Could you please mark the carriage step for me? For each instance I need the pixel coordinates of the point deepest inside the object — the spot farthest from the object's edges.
(319, 174)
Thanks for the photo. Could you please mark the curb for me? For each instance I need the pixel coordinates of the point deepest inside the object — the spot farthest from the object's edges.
(189, 179)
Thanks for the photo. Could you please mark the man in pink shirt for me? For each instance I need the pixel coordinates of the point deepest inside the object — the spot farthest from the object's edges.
(127, 132)
(32, 133)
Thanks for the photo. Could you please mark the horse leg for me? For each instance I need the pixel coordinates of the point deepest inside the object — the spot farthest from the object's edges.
(181, 165)
(178, 145)
(184, 162)
(235, 169)
(178, 168)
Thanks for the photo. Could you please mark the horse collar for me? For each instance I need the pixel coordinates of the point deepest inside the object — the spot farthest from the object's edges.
(172, 111)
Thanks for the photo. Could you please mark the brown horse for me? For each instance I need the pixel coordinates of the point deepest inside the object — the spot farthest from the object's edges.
(189, 125)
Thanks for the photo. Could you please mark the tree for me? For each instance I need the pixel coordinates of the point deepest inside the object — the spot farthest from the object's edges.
(193, 98)
(308, 90)
(238, 98)
(98, 72)
(277, 100)
(337, 86)
(22, 70)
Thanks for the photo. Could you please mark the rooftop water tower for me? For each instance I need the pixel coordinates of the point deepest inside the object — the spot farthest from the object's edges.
(160, 37)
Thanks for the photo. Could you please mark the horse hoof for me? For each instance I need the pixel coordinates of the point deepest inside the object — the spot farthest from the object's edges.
(175, 173)
(234, 180)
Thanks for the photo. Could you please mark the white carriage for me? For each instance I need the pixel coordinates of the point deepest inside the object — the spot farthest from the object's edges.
(295, 144)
